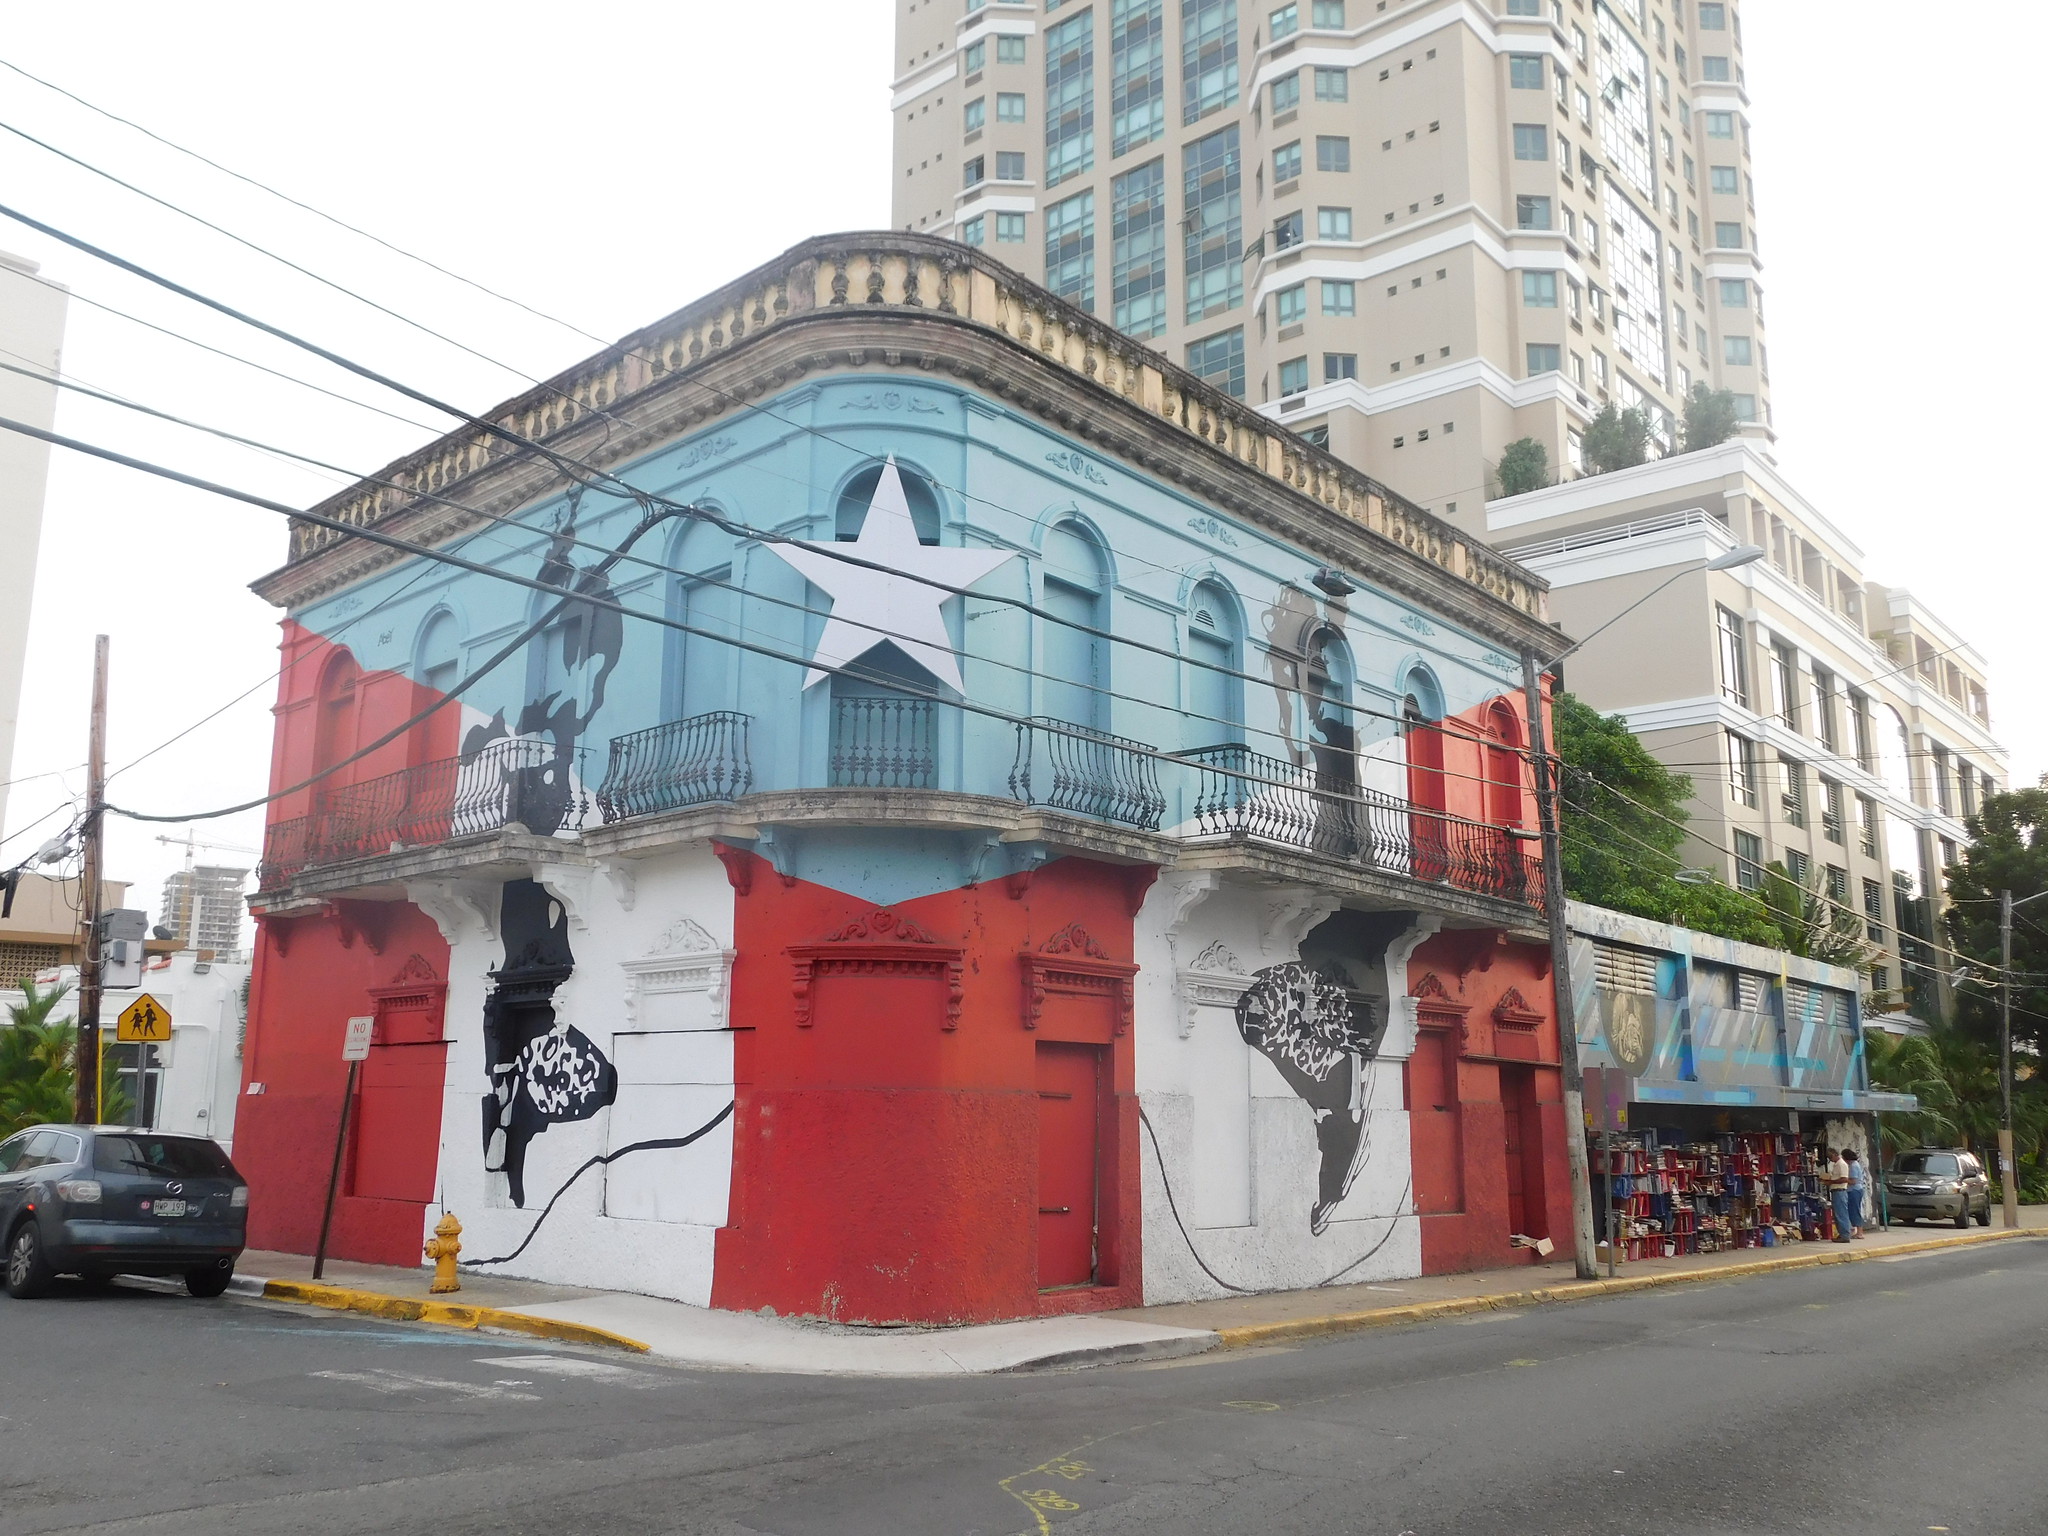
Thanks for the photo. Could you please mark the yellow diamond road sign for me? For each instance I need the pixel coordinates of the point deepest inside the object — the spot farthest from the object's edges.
(144, 1019)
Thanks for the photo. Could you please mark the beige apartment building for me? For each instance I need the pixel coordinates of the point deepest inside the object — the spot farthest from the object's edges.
(1412, 230)
(1828, 721)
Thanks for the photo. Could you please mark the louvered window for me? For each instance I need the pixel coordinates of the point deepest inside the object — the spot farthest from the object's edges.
(1620, 969)
(1749, 993)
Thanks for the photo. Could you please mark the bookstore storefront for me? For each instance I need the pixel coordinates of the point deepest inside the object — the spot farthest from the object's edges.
(1717, 1074)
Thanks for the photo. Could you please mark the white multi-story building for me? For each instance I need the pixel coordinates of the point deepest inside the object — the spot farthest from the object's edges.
(203, 908)
(31, 344)
(1829, 722)
(1413, 230)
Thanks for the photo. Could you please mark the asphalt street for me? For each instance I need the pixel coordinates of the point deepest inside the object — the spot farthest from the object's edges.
(1904, 1395)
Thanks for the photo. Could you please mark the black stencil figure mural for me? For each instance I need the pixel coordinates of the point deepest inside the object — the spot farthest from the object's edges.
(542, 1072)
(531, 763)
(1307, 1022)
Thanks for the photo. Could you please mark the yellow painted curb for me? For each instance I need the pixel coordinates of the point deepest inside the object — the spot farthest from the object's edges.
(1586, 1290)
(446, 1314)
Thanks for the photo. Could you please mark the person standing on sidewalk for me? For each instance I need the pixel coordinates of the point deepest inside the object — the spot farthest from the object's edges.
(1834, 1179)
(1859, 1189)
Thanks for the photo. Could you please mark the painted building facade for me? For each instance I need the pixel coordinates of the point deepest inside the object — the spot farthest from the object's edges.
(996, 828)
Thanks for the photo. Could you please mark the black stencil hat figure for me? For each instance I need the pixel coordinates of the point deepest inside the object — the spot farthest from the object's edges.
(1304, 1021)
(542, 1071)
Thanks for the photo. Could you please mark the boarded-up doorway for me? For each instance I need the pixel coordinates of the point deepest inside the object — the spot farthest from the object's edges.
(1071, 1084)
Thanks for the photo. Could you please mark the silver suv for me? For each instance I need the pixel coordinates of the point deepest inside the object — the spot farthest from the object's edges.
(1945, 1183)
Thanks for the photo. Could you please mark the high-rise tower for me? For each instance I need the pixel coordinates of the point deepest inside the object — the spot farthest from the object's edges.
(1416, 232)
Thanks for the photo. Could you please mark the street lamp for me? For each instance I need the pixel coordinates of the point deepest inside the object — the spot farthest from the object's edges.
(1584, 1259)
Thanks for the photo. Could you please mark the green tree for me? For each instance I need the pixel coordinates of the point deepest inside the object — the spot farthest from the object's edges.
(1954, 1075)
(1524, 466)
(38, 1083)
(1710, 418)
(1622, 823)
(1809, 924)
(1617, 439)
(2007, 851)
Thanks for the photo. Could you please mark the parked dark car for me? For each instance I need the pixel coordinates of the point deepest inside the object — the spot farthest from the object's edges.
(1944, 1183)
(103, 1200)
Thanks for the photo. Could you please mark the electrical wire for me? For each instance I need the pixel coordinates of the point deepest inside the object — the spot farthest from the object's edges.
(293, 265)
(590, 600)
(514, 521)
(563, 463)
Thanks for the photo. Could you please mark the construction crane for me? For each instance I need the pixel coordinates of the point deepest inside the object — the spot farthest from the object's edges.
(188, 842)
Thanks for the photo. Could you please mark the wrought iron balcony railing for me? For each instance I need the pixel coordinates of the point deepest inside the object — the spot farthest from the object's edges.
(677, 763)
(523, 781)
(1325, 810)
(883, 743)
(1090, 772)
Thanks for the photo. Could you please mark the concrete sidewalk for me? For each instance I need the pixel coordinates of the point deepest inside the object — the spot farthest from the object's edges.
(1274, 1317)
(705, 1338)
(700, 1336)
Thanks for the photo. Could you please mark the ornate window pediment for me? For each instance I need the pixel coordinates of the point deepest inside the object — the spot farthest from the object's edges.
(1436, 1008)
(684, 963)
(1514, 1012)
(1216, 979)
(883, 943)
(1072, 962)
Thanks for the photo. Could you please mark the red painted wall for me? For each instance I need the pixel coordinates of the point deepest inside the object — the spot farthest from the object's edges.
(1485, 1010)
(885, 1166)
(316, 968)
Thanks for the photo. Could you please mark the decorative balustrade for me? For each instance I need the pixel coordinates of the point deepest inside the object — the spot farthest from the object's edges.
(1323, 809)
(677, 763)
(883, 743)
(1089, 772)
(525, 782)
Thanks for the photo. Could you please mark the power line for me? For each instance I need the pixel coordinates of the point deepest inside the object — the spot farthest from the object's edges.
(296, 203)
(589, 599)
(287, 262)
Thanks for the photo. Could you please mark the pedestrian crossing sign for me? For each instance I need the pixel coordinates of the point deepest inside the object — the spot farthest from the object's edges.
(143, 1020)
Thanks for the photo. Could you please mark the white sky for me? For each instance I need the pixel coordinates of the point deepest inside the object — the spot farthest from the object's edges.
(611, 165)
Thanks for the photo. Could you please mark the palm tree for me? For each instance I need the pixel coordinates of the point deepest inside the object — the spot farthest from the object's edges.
(38, 1083)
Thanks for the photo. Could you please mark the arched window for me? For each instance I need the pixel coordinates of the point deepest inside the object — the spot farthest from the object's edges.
(334, 733)
(1423, 740)
(1216, 649)
(696, 662)
(1504, 804)
(860, 491)
(1076, 595)
(437, 655)
(883, 730)
(1332, 733)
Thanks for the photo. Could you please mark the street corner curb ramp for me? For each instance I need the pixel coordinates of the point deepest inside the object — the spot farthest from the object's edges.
(445, 1314)
(1247, 1335)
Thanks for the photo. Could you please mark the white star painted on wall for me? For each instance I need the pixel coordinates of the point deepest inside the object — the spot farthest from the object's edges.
(870, 606)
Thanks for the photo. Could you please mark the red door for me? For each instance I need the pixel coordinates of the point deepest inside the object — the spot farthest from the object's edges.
(1069, 1098)
(1526, 1206)
(396, 1138)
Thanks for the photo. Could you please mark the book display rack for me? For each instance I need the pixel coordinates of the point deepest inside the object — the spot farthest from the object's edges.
(1743, 1189)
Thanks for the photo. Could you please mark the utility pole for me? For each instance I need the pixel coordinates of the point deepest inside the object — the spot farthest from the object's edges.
(2008, 1174)
(1585, 1258)
(87, 1109)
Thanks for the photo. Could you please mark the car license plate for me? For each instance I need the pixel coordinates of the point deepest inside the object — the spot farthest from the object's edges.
(171, 1207)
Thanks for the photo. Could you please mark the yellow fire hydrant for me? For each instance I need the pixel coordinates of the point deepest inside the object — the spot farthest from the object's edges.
(442, 1248)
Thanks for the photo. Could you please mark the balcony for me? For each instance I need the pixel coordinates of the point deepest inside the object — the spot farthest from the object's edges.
(516, 782)
(1245, 795)
(1088, 772)
(701, 760)
(883, 743)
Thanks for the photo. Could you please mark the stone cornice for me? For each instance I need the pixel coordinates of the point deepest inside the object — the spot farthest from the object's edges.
(896, 301)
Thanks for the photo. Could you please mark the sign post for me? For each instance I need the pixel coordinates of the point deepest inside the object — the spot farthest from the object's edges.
(143, 1023)
(355, 1050)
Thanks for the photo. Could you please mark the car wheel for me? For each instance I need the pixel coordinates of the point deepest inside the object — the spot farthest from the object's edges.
(210, 1281)
(1984, 1216)
(1963, 1216)
(28, 1272)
